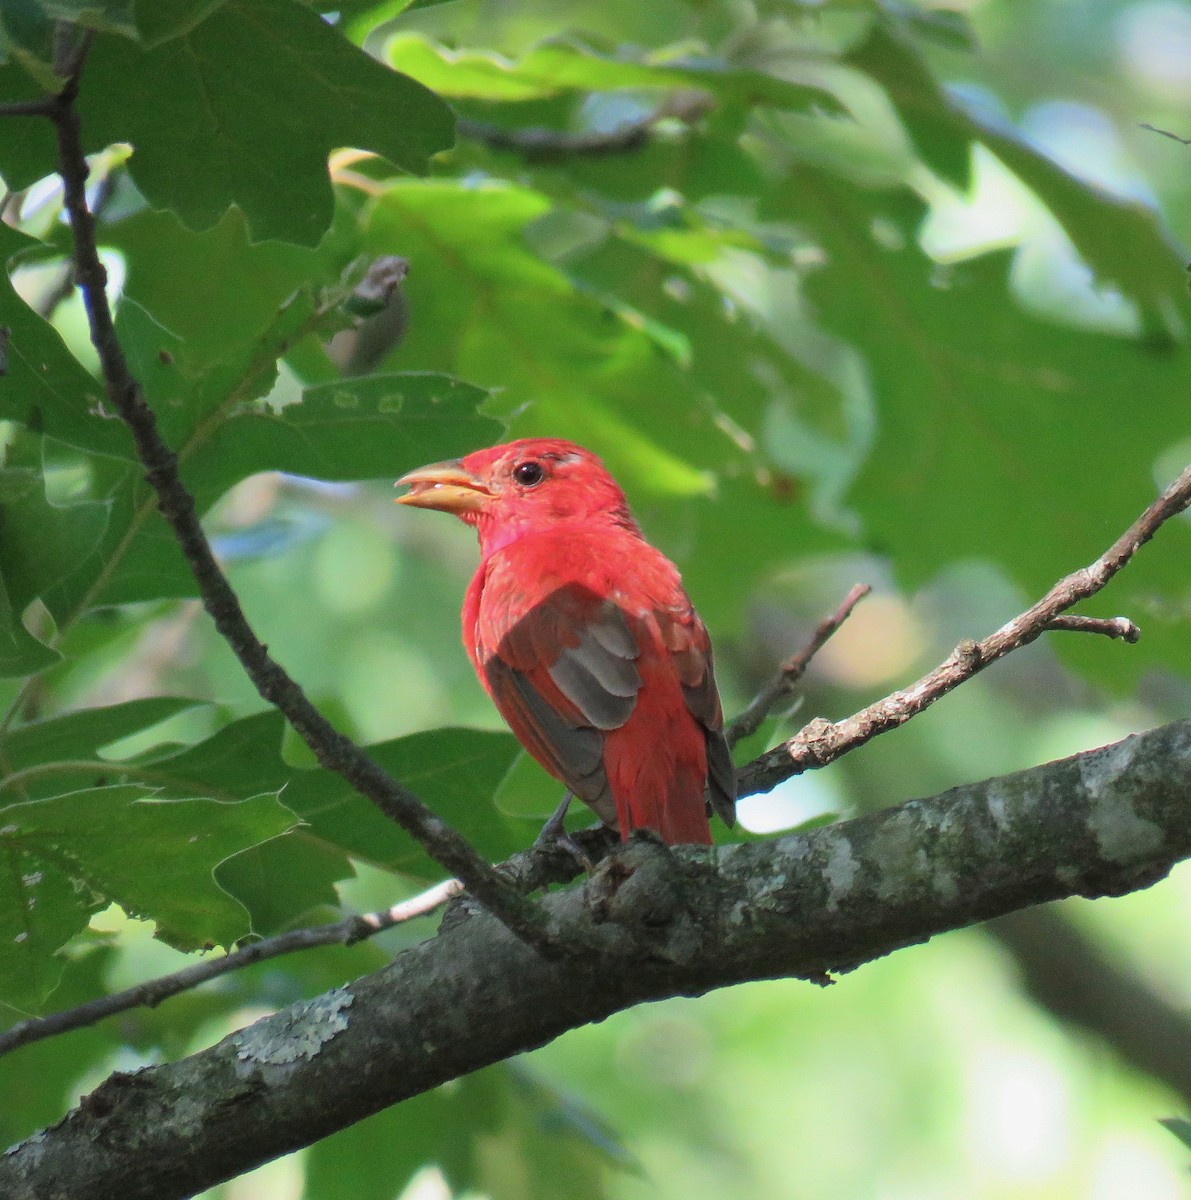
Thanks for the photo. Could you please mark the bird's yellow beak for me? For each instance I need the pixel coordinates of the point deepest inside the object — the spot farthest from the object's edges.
(445, 486)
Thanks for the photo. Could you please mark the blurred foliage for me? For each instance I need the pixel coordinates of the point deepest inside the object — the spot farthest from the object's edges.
(843, 290)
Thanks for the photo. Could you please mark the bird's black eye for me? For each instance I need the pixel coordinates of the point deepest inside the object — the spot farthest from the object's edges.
(529, 473)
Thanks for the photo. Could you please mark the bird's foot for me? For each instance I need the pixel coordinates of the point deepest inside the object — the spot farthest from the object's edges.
(554, 833)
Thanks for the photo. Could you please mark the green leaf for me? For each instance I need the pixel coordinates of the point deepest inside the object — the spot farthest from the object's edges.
(1180, 1127)
(38, 1083)
(1123, 240)
(528, 1141)
(139, 557)
(105, 16)
(27, 41)
(216, 290)
(79, 737)
(240, 760)
(45, 388)
(454, 771)
(66, 857)
(278, 881)
(494, 312)
(41, 547)
(376, 426)
(944, 142)
(219, 93)
(284, 882)
(159, 20)
(20, 652)
(992, 401)
(556, 67)
(375, 1158)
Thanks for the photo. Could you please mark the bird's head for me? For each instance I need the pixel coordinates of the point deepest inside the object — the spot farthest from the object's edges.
(524, 486)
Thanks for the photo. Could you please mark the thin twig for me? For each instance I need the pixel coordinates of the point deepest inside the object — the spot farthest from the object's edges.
(822, 741)
(1110, 627)
(43, 107)
(793, 669)
(333, 750)
(541, 144)
(151, 993)
(1174, 137)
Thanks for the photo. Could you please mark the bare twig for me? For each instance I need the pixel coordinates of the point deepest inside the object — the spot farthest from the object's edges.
(822, 741)
(1112, 627)
(540, 144)
(151, 993)
(332, 749)
(1174, 137)
(793, 669)
(43, 107)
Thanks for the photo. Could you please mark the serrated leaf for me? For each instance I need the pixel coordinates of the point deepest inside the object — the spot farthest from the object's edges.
(218, 94)
(65, 857)
(45, 388)
(139, 558)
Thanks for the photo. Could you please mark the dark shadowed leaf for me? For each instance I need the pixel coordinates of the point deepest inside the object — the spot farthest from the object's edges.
(68, 856)
(45, 388)
(218, 94)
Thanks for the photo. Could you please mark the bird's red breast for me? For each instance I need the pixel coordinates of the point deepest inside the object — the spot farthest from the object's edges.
(583, 636)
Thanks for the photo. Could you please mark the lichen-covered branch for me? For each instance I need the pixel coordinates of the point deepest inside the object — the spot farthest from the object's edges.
(666, 923)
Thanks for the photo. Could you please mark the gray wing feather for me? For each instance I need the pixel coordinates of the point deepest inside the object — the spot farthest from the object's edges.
(703, 701)
(577, 751)
(598, 675)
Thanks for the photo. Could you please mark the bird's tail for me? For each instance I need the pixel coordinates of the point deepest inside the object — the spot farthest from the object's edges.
(671, 804)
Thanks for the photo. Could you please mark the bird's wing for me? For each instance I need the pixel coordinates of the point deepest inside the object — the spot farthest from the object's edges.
(562, 673)
(685, 636)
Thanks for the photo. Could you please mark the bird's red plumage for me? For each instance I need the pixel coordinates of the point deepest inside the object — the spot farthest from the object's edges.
(583, 636)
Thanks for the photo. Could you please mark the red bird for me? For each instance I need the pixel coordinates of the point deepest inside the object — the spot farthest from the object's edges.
(583, 636)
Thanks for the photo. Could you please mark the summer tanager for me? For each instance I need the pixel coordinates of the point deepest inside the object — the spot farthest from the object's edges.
(583, 636)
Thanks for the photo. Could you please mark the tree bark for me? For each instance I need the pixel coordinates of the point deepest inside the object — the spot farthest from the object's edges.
(650, 923)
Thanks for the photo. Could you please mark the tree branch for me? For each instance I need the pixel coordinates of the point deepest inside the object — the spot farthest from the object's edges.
(821, 741)
(671, 922)
(332, 749)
